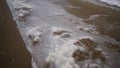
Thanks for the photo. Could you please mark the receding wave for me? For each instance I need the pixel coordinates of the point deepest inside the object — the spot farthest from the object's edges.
(57, 39)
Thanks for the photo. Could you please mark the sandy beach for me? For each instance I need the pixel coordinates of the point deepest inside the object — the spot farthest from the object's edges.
(13, 53)
(59, 34)
(110, 17)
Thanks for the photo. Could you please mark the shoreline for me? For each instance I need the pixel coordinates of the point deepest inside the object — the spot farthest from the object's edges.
(55, 20)
(107, 22)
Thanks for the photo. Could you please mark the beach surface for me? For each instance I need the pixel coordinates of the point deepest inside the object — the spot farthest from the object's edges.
(13, 53)
(69, 33)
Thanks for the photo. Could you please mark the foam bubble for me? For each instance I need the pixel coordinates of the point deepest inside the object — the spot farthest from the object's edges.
(62, 56)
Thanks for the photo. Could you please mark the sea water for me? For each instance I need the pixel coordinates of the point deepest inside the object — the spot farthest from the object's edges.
(56, 38)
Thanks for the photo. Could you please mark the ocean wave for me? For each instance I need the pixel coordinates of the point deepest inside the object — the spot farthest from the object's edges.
(112, 2)
(57, 39)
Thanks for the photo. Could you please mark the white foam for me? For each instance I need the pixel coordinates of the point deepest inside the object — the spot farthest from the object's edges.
(62, 56)
(55, 49)
(57, 30)
(112, 2)
(34, 34)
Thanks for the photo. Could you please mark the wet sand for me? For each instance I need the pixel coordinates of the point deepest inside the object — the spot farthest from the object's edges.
(13, 53)
(108, 24)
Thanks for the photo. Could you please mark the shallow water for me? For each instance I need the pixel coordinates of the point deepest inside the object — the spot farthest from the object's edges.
(68, 33)
(106, 19)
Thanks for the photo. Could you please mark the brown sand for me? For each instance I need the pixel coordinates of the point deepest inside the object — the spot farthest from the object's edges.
(103, 22)
(13, 53)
